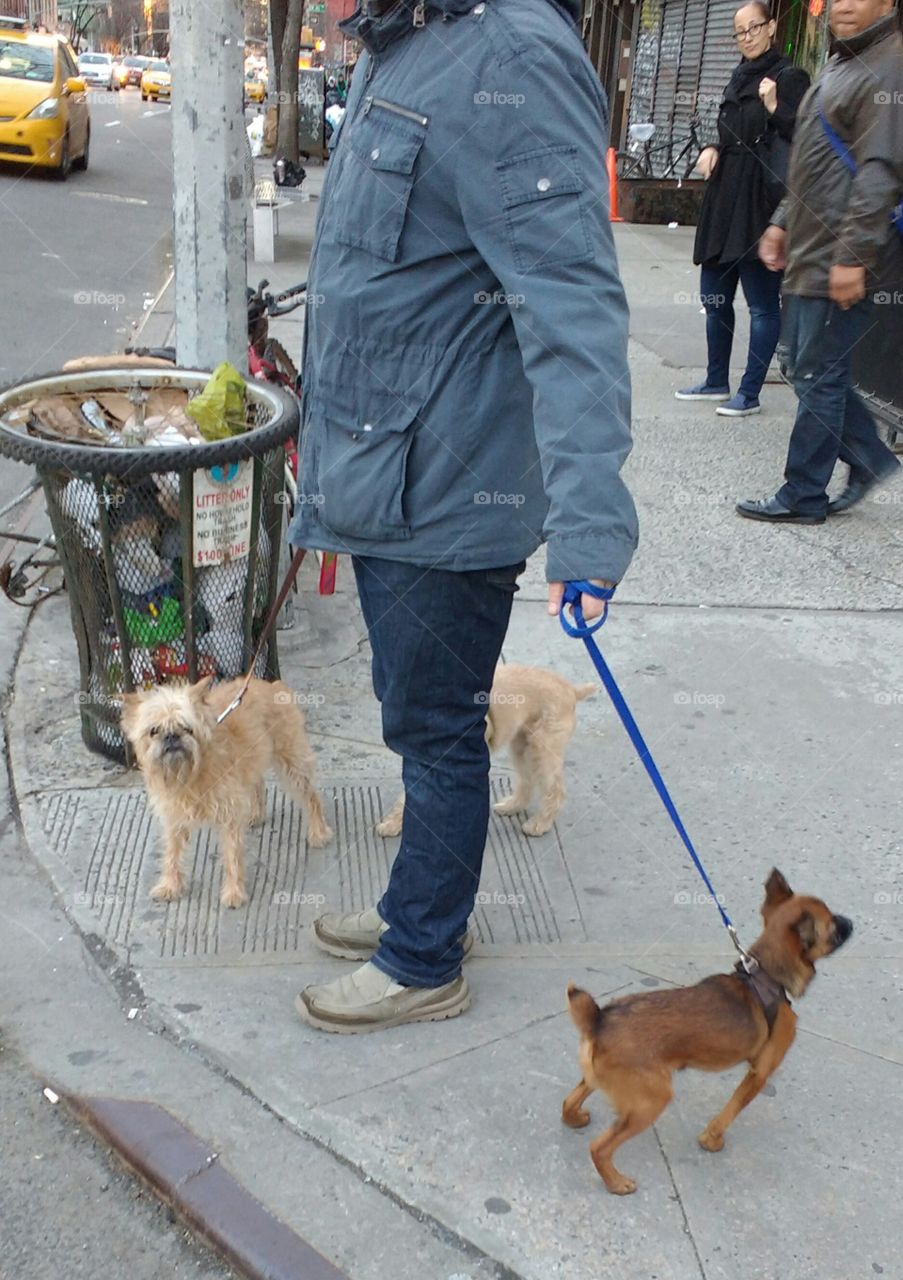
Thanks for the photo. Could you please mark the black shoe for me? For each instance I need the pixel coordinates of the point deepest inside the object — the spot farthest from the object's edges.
(857, 488)
(774, 512)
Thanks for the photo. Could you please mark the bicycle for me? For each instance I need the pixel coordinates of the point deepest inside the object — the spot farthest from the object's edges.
(641, 160)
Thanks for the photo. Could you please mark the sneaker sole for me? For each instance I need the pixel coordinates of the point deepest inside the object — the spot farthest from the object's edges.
(438, 1013)
(342, 952)
(737, 413)
(715, 399)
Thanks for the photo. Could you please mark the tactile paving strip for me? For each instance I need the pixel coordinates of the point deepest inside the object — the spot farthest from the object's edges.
(109, 842)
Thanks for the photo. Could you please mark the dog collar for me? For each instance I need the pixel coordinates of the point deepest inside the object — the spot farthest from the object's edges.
(767, 990)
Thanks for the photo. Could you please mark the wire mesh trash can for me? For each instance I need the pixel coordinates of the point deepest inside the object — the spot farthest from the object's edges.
(170, 547)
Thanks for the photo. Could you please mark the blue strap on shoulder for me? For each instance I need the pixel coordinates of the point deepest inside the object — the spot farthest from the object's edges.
(843, 152)
(585, 632)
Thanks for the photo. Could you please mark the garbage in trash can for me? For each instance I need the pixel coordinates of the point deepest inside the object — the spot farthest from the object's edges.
(170, 546)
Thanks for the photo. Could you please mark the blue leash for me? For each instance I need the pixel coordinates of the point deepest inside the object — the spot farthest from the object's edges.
(585, 632)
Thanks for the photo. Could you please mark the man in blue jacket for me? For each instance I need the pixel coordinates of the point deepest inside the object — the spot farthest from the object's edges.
(466, 397)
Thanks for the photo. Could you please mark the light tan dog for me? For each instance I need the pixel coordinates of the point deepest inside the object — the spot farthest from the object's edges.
(533, 713)
(200, 773)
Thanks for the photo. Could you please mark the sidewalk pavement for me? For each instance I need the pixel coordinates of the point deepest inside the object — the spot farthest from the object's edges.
(765, 666)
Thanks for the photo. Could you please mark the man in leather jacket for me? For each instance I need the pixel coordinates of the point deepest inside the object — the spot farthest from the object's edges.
(833, 236)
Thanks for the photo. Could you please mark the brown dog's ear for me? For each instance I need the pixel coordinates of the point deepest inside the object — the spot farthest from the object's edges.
(777, 890)
(200, 690)
(806, 931)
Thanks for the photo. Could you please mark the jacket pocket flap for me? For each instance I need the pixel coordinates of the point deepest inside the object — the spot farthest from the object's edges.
(539, 175)
(371, 413)
(388, 150)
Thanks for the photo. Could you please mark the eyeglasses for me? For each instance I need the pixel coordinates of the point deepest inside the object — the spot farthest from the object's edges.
(751, 32)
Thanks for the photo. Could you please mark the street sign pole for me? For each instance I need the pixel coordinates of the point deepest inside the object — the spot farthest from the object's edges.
(210, 158)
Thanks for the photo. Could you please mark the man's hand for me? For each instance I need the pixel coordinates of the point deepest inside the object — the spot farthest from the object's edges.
(592, 608)
(708, 159)
(773, 248)
(846, 286)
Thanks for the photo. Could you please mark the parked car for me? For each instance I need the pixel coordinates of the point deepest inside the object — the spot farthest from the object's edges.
(156, 82)
(131, 69)
(96, 69)
(44, 116)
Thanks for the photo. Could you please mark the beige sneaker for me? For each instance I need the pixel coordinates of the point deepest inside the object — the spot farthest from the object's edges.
(356, 935)
(368, 1000)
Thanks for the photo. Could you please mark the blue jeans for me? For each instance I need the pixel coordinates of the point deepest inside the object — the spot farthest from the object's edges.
(436, 637)
(832, 421)
(762, 289)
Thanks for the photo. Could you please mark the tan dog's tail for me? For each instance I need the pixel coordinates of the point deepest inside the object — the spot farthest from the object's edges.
(585, 1012)
(585, 690)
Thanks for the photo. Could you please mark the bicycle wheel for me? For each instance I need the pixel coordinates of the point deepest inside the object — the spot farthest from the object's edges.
(275, 353)
(630, 165)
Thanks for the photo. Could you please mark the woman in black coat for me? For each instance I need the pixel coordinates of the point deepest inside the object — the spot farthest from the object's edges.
(755, 124)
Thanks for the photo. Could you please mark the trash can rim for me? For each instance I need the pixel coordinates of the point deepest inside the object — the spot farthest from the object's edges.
(85, 459)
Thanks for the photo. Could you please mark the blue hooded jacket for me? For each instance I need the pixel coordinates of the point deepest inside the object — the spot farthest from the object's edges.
(466, 389)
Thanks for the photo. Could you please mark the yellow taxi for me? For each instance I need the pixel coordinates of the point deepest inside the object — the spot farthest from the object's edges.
(156, 81)
(255, 87)
(44, 117)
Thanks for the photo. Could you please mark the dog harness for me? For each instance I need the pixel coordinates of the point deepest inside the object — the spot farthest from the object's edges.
(767, 990)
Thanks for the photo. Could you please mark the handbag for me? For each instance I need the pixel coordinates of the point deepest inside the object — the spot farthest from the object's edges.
(773, 153)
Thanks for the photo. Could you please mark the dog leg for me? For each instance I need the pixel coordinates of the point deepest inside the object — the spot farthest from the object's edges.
(296, 777)
(171, 884)
(391, 824)
(523, 790)
(232, 843)
(572, 1112)
(645, 1109)
(760, 1068)
(258, 813)
(546, 766)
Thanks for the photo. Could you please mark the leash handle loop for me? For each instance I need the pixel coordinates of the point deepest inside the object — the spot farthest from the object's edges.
(572, 594)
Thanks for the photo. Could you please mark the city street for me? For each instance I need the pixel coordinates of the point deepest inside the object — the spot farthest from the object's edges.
(764, 666)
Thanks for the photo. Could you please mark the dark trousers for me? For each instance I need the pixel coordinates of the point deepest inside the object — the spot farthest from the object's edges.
(832, 421)
(762, 290)
(436, 637)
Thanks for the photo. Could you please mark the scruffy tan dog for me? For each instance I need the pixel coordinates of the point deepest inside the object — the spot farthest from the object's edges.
(533, 713)
(200, 773)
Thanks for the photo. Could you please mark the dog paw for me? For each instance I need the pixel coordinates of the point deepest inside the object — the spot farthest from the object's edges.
(388, 828)
(319, 838)
(576, 1119)
(620, 1185)
(167, 890)
(535, 827)
(507, 806)
(711, 1141)
(233, 895)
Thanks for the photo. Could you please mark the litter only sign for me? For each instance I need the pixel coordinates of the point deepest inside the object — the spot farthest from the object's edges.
(222, 513)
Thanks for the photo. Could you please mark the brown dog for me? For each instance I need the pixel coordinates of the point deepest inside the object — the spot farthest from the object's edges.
(630, 1048)
(200, 773)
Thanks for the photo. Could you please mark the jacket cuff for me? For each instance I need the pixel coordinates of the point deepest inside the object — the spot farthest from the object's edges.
(585, 556)
(779, 217)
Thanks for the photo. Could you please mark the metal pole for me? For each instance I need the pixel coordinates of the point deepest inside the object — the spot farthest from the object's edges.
(209, 147)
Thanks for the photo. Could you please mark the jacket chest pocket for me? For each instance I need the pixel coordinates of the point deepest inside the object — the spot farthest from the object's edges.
(363, 461)
(543, 196)
(380, 156)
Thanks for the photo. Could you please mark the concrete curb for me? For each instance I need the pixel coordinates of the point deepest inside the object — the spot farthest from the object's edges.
(157, 325)
(184, 1173)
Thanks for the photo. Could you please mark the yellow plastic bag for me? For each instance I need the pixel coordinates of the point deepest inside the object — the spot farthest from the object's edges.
(219, 410)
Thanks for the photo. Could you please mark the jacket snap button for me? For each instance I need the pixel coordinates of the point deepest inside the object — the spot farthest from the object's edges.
(543, 184)
(374, 154)
(478, 9)
(368, 426)
(355, 435)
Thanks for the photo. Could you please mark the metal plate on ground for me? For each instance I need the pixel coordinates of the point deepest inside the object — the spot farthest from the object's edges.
(109, 842)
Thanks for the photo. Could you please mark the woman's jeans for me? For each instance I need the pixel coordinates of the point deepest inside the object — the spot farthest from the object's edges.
(762, 289)
(436, 637)
(832, 421)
